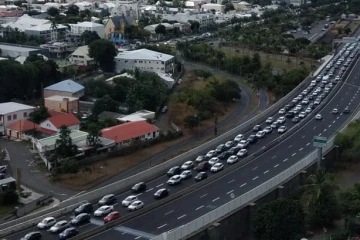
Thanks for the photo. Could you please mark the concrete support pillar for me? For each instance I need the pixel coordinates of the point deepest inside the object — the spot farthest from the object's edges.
(280, 192)
(303, 177)
(213, 232)
(251, 212)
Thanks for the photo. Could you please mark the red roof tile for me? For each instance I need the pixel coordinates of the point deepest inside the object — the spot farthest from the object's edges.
(129, 130)
(46, 131)
(67, 119)
(23, 125)
(54, 113)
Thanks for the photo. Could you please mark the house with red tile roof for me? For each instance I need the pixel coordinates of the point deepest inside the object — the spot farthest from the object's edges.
(55, 122)
(19, 128)
(127, 132)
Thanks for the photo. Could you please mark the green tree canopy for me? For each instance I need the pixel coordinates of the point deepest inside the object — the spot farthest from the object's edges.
(64, 146)
(104, 52)
(194, 25)
(73, 10)
(105, 103)
(280, 219)
(88, 37)
(53, 11)
(191, 121)
(39, 115)
(94, 134)
(350, 200)
(160, 29)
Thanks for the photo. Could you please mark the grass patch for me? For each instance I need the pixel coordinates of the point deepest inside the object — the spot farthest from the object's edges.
(7, 209)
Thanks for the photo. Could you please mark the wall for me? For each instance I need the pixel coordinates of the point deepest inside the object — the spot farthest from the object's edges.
(48, 125)
(49, 93)
(69, 107)
(19, 115)
(152, 66)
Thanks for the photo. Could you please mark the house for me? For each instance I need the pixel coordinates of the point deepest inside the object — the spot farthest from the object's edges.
(66, 88)
(16, 50)
(84, 6)
(48, 32)
(214, 6)
(124, 134)
(144, 60)
(56, 122)
(153, 34)
(81, 27)
(204, 19)
(20, 129)
(11, 112)
(62, 104)
(80, 57)
(141, 115)
(130, 8)
(24, 22)
(116, 25)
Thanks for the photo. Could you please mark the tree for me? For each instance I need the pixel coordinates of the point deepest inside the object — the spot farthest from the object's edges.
(160, 29)
(94, 134)
(105, 103)
(191, 121)
(347, 31)
(73, 10)
(280, 219)
(103, 51)
(194, 25)
(53, 11)
(39, 115)
(88, 37)
(228, 5)
(349, 200)
(64, 148)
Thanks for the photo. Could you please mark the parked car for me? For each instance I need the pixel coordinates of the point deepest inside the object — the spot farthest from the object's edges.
(107, 200)
(161, 193)
(139, 187)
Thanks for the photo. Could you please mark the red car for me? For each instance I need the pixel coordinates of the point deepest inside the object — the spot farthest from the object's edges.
(111, 216)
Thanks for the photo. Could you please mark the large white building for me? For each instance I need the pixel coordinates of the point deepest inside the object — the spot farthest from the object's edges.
(204, 19)
(11, 112)
(145, 60)
(48, 32)
(81, 27)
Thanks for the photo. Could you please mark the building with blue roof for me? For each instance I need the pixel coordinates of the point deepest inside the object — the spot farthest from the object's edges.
(66, 88)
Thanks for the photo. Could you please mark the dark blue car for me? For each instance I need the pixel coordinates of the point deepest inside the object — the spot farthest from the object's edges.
(68, 233)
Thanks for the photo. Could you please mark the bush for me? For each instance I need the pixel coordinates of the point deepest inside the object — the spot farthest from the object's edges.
(202, 73)
(8, 197)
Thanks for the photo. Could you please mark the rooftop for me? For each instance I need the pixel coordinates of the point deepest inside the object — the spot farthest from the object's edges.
(144, 54)
(45, 27)
(61, 98)
(87, 24)
(25, 21)
(140, 115)
(107, 114)
(75, 135)
(67, 119)
(66, 86)
(17, 48)
(83, 51)
(23, 125)
(10, 107)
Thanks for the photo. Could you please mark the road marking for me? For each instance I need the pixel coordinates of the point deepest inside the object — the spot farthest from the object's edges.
(214, 200)
(341, 113)
(169, 212)
(325, 130)
(276, 165)
(303, 136)
(149, 190)
(301, 149)
(137, 237)
(329, 126)
(319, 134)
(290, 146)
(138, 194)
(255, 178)
(266, 171)
(123, 233)
(314, 127)
(203, 195)
(334, 121)
(181, 217)
(159, 185)
(231, 181)
(293, 154)
(273, 157)
(162, 226)
(254, 168)
(199, 207)
(285, 159)
(230, 192)
(307, 144)
(242, 185)
(337, 117)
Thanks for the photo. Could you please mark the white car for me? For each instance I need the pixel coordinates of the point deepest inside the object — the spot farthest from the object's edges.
(282, 129)
(217, 167)
(103, 211)
(136, 205)
(232, 159)
(127, 201)
(46, 223)
(186, 174)
(269, 120)
(229, 144)
(187, 165)
(176, 179)
(260, 134)
(268, 129)
(281, 120)
(318, 117)
(243, 144)
(282, 111)
(59, 226)
(302, 115)
(239, 137)
(274, 125)
(211, 154)
(200, 159)
(242, 153)
(3, 169)
(305, 101)
(213, 160)
(335, 111)
(308, 110)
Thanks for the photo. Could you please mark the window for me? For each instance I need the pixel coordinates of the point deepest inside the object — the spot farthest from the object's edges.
(14, 116)
(126, 61)
(9, 118)
(25, 114)
(135, 61)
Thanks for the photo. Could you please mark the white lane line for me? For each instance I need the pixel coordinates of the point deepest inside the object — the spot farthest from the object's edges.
(319, 134)
(334, 121)
(254, 168)
(337, 117)
(138, 194)
(159, 185)
(325, 130)
(266, 171)
(307, 144)
(181, 217)
(242, 185)
(303, 136)
(162, 226)
(293, 154)
(255, 178)
(169, 212)
(314, 127)
(123, 233)
(329, 126)
(285, 159)
(290, 146)
(149, 190)
(231, 181)
(276, 165)
(301, 149)
(273, 157)
(230, 192)
(214, 200)
(137, 237)
(199, 207)
(203, 195)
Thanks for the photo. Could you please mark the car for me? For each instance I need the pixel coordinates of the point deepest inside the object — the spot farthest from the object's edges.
(187, 165)
(84, 208)
(136, 205)
(186, 174)
(2, 175)
(274, 125)
(269, 120)
(200, 176)
(200, 158)
(305, 101)
(289, 114)
(233, 150)
(232, 159)
(203, 166)
(3, 169)
(346, 110)
(213, 160)
(308, 110)
(220, 148)
(281, 120)
(317, 102)
(256, 128)
(302, 115)
(68, 233)
(112, 216)
(238, 138)
(318, 117)
(287, 107)
(46, 223)
(174, 171)
(103, 211)
(128, 200)
(81, 219)
(243, 144)
(224, 155)
(59, 226)
(335, 111)
(217, 167)
(107, 200)
(229, 144)
(32, 236)
(282, 111)
(174, 180)
(252, 139)
(161, 193)
(211, 154)
(164, 109)
(242, 153)
(282, 129)
(260, 134)
(268, 129)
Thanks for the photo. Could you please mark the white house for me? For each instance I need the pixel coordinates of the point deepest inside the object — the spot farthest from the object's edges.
(214, 6)
(11, 112)
(84, 6)
(56, 122)
(81, 27)
(80, 57)
(145, 60)
(204, 19)
(48, 32)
